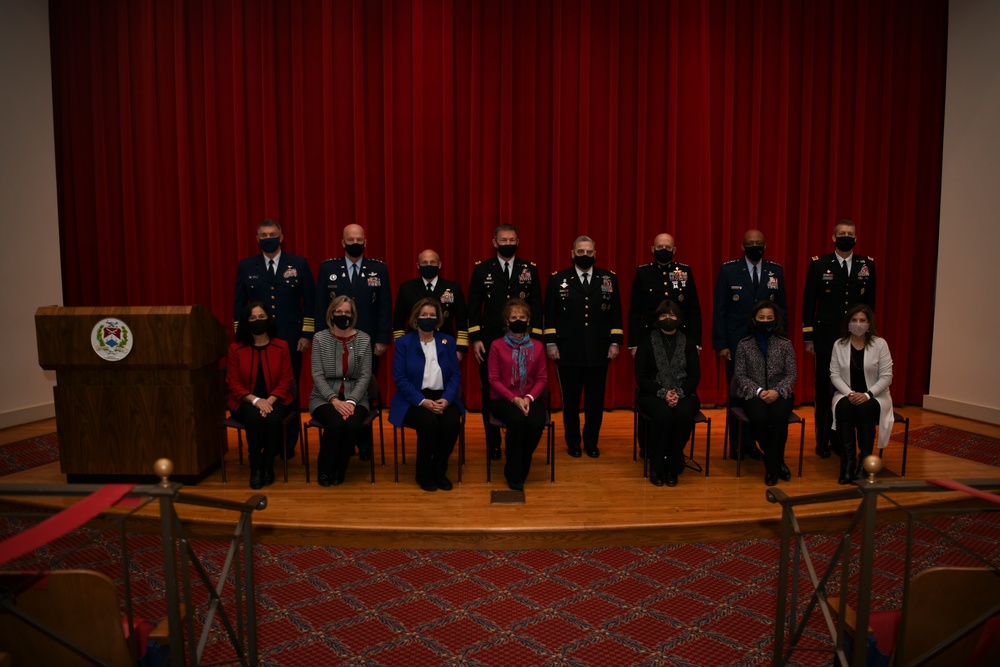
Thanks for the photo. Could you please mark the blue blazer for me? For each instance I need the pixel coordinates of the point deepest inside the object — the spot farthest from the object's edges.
(408, 373)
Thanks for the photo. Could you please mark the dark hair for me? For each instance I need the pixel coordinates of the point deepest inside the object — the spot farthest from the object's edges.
(243, 334)
(269, 223)
(845, 223)
(504, 228)
(419, 305)
(779, 321)
(509, 307)
(845, 332)
(669, 306)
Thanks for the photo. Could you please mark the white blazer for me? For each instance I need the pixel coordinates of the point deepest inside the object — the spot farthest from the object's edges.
(878, 377)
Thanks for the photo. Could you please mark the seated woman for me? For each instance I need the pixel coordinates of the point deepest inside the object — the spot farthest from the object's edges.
(259, 377)
(667, 372)
(425, 370)
(341, 371)
(763, 377)
(861, 372)
(518, 376)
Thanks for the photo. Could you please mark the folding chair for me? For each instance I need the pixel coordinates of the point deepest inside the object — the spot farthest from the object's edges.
(741, 416)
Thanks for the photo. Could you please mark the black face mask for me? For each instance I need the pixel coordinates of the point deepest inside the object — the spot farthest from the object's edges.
(845, 243)
(583, 261)
(269, 245)
(355, 249)
(341, 321)
(754, 252)
(429, 271)
(663, 256)
(507, 251)
(764, 328)
(258, 327)
(427, 324)
(668, 324)
(517, 326)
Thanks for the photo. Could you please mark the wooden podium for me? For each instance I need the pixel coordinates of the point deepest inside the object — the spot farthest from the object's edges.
(134, 385)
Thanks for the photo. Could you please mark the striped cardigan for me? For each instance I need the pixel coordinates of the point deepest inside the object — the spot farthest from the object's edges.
(328, 372)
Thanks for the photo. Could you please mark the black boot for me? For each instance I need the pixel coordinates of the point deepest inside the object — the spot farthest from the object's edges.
(866, 445)
(268, 473)
(256, 478)
(847, 470)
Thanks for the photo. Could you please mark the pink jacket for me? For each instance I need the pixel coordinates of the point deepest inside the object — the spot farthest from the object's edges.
(500, 367)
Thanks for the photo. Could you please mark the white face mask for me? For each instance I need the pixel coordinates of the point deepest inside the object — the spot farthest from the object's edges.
(858, 328)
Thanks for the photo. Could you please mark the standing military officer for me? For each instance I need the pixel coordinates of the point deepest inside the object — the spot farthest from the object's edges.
(448, 293)
(495, 280)
(834, 283)
(583, 333)
(284, 283)
(367, 282)
(662, 279)
(741, 284)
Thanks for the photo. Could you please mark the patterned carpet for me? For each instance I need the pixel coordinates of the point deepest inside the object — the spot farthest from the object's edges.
(691, 604)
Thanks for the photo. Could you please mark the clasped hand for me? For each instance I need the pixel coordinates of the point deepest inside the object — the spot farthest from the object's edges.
(769, 395)
(344, 408)
(437, 407)
(857, 398)
(672, 398)
(523, 404)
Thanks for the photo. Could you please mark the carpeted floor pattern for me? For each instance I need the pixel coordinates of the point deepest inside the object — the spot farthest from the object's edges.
(953, 442)
(687, 604)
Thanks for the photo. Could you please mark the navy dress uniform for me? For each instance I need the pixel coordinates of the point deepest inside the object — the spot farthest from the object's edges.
(288, 293)
(829, 292)
(371, 293)
(489, 290)
(452, 299)
(735, 296)
(654, 283)
(583, 321)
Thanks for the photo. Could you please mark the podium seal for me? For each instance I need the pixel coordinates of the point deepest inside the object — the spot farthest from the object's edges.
(111, 339)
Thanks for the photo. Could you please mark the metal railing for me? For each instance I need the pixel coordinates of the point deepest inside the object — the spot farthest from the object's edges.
(796, 561)
(180, 562)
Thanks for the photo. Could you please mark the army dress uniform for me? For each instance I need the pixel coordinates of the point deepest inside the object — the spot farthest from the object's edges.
(288, 294)
(654, 283)
(489, 291)
(583, 322)
(827, 296)
(449, 294)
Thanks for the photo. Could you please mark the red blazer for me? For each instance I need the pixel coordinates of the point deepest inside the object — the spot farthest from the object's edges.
(241, 372)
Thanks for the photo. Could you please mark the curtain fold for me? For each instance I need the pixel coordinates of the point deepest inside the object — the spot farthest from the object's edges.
(180, 125)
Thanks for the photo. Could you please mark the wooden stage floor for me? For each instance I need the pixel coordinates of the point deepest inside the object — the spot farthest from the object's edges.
(593, 502)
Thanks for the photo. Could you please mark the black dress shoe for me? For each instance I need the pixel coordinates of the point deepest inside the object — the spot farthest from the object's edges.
(427, 485)
(442, 482)
(323, 479)
(671, 479)
(495, 453)
(822, 451)
(256, 479)
(770, 479)
(574, 451)
(336, 481)
(269, 474)
(593, 452)
(655, 479)
(784, 474)
(515, 486)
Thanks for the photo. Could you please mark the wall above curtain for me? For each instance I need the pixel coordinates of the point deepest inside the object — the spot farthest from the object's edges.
(180, 125)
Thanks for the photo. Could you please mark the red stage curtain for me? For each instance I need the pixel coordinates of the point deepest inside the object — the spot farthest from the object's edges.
(180, 125)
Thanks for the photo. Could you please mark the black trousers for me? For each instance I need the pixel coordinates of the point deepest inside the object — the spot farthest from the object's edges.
(823, 345)
(861, 418)
(589, 381)
(669, 430)
(769, 424)
(265, 435)
(492, 432)
(436, 436)
(523, 434)
(339, 438)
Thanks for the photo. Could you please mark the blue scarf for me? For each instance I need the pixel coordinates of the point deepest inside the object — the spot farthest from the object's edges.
(521, 354)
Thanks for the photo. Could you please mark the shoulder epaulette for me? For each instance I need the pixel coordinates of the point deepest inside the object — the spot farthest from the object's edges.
(554, 272)
(330, 259)
(533, 264)
(815, 257)
(478, 262)
(871, 259)
(775, 263)
(373, 259)
(611, 272)
(732, 261)
(642, 266)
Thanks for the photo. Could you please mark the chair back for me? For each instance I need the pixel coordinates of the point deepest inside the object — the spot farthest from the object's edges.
(80, 605)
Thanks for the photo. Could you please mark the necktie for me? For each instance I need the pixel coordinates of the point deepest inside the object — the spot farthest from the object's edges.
(586, 280)
(430, 288)
(506, 270)
(354, 276)
(845, 270)
(754, 279)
